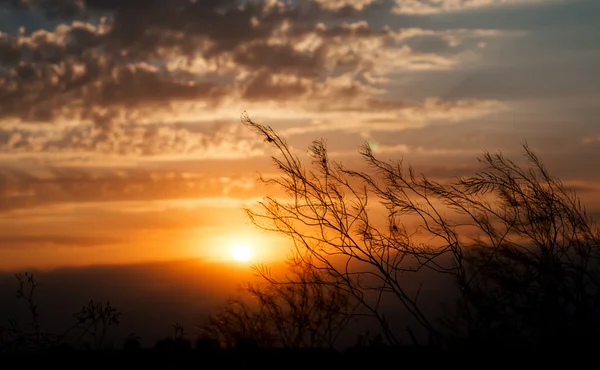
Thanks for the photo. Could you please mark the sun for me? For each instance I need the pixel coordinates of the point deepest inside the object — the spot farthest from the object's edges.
(241, 252)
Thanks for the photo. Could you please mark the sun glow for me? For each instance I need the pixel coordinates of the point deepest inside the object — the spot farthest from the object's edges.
(243, 247)
(241, 252)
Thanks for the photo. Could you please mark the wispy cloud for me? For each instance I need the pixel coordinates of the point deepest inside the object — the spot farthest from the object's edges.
(25, 189)
(441, 6)
(591, 139)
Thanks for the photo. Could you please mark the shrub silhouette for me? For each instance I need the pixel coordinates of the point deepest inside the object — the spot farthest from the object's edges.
(298, 311)
(91, 324)
(517, 246)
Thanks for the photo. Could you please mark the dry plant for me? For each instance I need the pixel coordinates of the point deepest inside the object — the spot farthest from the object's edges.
(517, 245)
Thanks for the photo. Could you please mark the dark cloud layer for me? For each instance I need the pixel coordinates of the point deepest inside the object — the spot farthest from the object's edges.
(119, 58)
(124, 55)
(111, 75)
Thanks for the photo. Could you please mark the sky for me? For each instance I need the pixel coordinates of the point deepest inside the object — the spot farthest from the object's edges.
(120, 133)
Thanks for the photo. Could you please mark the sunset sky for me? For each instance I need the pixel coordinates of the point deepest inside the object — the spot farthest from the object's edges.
(120, 133)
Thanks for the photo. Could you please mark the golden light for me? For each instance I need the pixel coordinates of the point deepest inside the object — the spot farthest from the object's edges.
(241, 252)
(245, 246)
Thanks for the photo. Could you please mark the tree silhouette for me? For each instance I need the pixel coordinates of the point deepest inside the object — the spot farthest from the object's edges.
(517, 246)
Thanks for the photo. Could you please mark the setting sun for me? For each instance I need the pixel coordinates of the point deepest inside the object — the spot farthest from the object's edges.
(241, 252)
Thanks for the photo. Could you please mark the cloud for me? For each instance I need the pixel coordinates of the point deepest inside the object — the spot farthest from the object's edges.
(117, 137)
(422, 7)
(346, 4)
(76, 68)
(21, 189)
(115, 78)
(591, 139)
(37, 241)
(405, 149)
(397, 115)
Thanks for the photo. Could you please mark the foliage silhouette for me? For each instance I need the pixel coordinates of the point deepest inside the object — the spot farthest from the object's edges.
(517, 246)
(297, 311)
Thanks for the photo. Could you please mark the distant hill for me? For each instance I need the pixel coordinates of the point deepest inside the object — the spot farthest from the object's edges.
(151, 296)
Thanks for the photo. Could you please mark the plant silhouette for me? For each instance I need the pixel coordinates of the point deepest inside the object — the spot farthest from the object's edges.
(517, 247)
(297, 311)
(88, 331)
